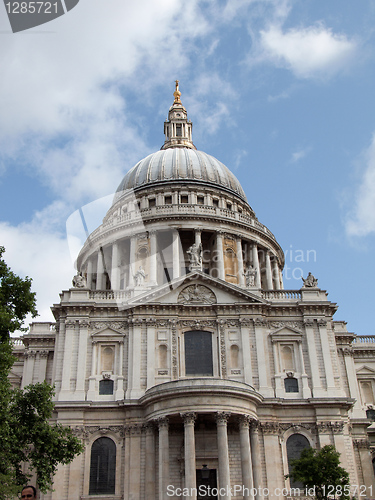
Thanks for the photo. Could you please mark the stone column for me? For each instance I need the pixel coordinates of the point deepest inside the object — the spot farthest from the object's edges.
(119, 395)
(79, 394)
(241, 277)
(256, 266)
(150, 476)
(272, 454)
(153, 261)
(189, 447)
(198, 236)
(246, 464)
(115, 271)
(89, 273)
(176, 254)
(256, 458)
(131, 262)
(264, 387)
(275, 274)
(366, 463)
(281, 279)
(135, 462)
(331, 389)
(67, 361)
(352, 380)
(28, 368)
(268, 271)
(43, 357)
(100, 271)
(163, 457)
(246, 350)
(223, 453)
(306, 391)
(317, 390)
(134, 378)
(220, 255)
(150, 325)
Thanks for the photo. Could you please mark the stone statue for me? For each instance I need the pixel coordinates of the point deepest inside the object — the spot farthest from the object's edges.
(195, 254)
(79, 281)
(310, 281)
(139, 276)
(250, 275)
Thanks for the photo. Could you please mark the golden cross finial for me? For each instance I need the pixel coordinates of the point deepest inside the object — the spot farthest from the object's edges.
(177, 94)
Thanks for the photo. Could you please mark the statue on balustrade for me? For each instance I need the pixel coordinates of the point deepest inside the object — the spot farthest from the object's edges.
(79, 281)
(139, 276)
(310, 281)
(195, 255)
(250, 275)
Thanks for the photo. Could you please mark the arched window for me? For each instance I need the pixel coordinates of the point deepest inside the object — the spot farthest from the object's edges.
(106, 387)
(291, 384)
(294, 446)
(198, 353)
(103, 467)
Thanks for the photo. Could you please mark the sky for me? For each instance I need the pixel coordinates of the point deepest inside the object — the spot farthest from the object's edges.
(280, 91)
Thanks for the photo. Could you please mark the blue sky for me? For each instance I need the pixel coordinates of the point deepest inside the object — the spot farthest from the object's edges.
(280, 91)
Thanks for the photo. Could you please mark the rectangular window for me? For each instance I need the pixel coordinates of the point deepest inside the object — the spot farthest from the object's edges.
(229, 206)
(151, 202)
(215, 202)
(184, 198)
(178, 130)
(168, 200)
(200, 200)
(198, 353)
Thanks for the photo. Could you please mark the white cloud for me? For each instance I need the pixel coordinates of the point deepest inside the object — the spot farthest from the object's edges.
(308, 52)
(299, 154)
(361, 214)
(34, 250)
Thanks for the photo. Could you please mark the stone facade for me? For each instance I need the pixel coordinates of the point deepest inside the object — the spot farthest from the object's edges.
(180, 359)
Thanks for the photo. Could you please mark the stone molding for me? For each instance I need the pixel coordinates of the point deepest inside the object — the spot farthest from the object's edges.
(330, 427)
(362, 443)
(270, 427)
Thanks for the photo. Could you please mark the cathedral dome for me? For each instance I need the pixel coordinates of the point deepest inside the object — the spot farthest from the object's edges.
(178, 165)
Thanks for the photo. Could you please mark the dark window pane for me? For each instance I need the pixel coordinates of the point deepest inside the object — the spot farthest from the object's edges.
(179, 130)
(102, 467)
(198, 353)
(106, 387)
(291, 384)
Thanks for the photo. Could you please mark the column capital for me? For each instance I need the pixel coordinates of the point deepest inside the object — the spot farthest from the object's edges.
(244, 421)
(222, 417)
(163, 422)
(189, 417)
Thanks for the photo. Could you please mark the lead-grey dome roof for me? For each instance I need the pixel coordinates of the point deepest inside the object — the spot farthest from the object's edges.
(178, 165)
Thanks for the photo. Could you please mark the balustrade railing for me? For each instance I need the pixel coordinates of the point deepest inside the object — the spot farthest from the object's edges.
(281, 294)
(364, 339)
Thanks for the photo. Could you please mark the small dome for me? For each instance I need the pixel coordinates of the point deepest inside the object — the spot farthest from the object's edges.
(176, 165)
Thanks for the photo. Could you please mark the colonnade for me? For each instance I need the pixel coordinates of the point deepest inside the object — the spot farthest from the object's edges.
(267, 271)
(249, 449)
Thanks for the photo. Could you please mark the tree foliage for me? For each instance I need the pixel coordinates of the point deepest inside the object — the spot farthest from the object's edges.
(16, 300)
(321, 470)
(25, 432)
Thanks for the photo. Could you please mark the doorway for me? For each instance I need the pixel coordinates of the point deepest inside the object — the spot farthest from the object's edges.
(206, 484)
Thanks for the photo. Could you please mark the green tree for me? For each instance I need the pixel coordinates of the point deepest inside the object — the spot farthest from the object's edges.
(25, 432)
(321, 470)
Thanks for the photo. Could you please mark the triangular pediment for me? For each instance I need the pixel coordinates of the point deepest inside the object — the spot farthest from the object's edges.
(286, 333)
(196, 288)
(365, 370)
(107, 332)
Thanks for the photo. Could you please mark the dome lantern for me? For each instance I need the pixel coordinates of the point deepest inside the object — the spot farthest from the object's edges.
(177, 128)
